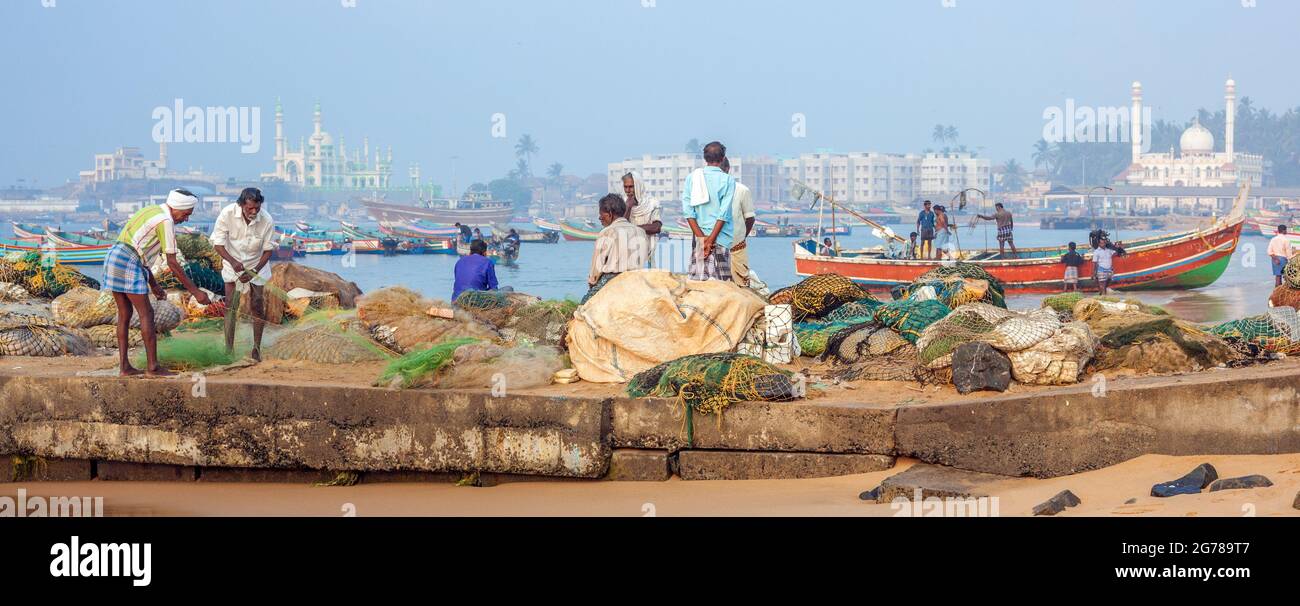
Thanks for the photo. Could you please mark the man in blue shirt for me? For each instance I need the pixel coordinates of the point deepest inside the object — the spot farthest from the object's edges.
(474, 271)
(925, 226)
(709, 205)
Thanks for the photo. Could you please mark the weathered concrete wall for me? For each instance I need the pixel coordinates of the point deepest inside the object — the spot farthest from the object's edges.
(244, 425)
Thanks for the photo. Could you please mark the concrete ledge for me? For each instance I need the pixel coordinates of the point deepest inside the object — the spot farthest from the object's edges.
(736, 465)
(23, 469)
(630, 465)
(114, 471)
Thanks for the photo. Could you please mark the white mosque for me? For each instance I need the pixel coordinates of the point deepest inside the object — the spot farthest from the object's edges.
(1195, 164)
(318, 163)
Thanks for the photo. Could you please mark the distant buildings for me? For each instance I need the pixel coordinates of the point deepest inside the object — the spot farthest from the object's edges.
(125, 163)
(318, 163)
(855, 177)
(1196, 164)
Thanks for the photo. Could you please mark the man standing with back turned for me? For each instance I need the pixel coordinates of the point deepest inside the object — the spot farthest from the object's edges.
(707, 199)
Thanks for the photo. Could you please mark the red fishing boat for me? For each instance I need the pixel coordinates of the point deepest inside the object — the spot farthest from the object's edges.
(1189, 259)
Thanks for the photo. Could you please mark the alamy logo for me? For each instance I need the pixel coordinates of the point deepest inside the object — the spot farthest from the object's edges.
(194, 124)
(50, 507)
(1086, 124)
(130, 560)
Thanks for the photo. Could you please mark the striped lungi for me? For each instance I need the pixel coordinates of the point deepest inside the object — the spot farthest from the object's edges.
(124, 272)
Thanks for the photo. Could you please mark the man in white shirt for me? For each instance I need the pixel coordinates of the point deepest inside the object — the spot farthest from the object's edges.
(742, 207)
(1103, 258)
(1280, 251)
(620, 246)
(244, 237)
(643, 211)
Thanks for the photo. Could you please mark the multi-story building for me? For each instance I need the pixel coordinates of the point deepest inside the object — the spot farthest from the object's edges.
(125, 163)
(318, 163)
(873, 177)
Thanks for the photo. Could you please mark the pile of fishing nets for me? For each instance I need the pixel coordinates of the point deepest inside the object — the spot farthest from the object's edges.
(954, 285)
(199, 274)
(84, 307)
(541, 323)
(871, 352)
(418, 368)
(398, 318)
(814, 336)
(327, 337)
(30, 335)
(45, 280)
(105, 335)
(1146, 339)
(1277, 331)
(863, 310)
(818, 296)
(1063, 303)
(1291, 274)
(909, 318)
(13, 292)
(708, 383)
(1041, 349)
(1288, 294)
(487, 365)
(494, 307)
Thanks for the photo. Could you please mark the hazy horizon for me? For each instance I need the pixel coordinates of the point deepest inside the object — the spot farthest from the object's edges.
(595, 81)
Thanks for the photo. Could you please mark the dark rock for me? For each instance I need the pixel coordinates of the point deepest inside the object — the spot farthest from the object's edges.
(1192, 483)
(1057, 504)
(1130, 501)
(1253, 481)
(874, 495)
(1296, 504)
(977, 366)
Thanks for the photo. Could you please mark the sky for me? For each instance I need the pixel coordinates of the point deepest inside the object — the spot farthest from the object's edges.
(596, 81)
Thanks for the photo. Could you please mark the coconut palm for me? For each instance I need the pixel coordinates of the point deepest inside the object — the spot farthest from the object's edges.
(1044, 155)
(521, 170)
(555, 171)
(940, 134)
(950, 133)
(693, 146)
(1013, 176)
(525, 148)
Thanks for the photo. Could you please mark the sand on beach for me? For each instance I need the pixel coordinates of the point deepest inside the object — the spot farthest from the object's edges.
(1103, 492)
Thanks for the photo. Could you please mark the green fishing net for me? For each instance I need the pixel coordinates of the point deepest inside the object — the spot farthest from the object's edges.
(1277, 331)
(190, 352)
(814, 336)
(862, 310)
(908, 318)
(954, 285)
(709, 383)
(40, 278)
(819, 295)
(418, 367)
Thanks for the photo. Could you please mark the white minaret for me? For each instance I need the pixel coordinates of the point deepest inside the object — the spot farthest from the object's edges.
(279, 139)
(1230, 117)
(1135, 122)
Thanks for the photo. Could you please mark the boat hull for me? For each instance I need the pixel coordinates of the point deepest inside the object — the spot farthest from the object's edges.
(1191, 260)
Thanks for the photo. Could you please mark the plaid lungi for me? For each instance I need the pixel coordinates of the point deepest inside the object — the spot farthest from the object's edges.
(716, 266)
(1004, 233)
(123, 271)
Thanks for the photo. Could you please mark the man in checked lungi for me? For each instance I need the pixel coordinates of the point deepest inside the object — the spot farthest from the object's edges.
(1005, 224)
(707, 203)
(148, 235)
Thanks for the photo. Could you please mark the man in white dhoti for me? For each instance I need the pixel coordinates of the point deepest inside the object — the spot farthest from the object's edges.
(244, 236)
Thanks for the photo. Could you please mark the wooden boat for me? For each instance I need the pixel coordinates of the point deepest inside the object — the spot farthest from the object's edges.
(535, 237)
(73, 239)
(1183, 260)
(29, 232)
(476, 208)
(66, 255)
(572, 232)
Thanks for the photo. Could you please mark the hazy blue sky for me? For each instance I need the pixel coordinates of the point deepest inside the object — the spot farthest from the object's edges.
(598, 80)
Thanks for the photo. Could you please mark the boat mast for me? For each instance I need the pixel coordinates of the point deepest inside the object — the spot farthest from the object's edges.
(801, 189)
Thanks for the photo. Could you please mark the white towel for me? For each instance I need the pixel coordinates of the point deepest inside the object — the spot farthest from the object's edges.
(700, 194)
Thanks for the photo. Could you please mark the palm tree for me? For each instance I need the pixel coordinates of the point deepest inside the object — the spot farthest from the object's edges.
(1013, 176)
(693, 146)
(940, 134)
(1043, 154)
(950, 133)
(555, 171)
(525, 149)
(521, 170)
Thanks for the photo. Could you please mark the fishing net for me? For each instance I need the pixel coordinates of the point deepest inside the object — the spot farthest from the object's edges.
(909, 318)
(708, 383)
(288, 277)
(493, 307)
(325, 337)
(84, 307)
(166, 316)
(198, 249)
(42, 279)
(1005, 330)
(855, 311)
(397, 318)
(1150, 343)
(814, 336)
(954, 285)
(1063, 303)
(1277, 331)
(595, 288)
(189, 352)
(1285, 296)
(29, 335)
(200, 274)
(870, 352)
(543, 322)
(481, 364)
(1056, 360)
(1291, 274)
(13, 292)
(819, 295)
(105, 335)
(418, 368)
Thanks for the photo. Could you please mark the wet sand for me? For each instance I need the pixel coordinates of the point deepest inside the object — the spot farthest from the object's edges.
(1103, 492)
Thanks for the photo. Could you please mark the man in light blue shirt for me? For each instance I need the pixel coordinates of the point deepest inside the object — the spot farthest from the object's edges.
(708, 206)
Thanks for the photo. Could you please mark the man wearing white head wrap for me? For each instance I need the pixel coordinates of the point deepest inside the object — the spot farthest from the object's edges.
(147, 235)
(643, 212)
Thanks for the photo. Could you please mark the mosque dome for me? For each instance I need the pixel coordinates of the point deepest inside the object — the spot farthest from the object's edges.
(1197, 140)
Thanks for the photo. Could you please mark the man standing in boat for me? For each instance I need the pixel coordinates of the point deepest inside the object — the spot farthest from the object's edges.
(1103, 258)
(1280, 252)
(925, 226)
(642, 211)
(244, 236)
(743, 210)
(943, 230)
(1005, 225)
(708, 198)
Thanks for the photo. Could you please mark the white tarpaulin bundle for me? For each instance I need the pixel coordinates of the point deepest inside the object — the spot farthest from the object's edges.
(644, 318)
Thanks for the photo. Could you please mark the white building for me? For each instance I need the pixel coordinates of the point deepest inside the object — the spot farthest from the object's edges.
(125, 163)
(875, 178)
(1196, 163)
(664, 174)
(38, 205)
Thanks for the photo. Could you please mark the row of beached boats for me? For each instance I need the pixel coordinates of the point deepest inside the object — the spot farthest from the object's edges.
(586, 229)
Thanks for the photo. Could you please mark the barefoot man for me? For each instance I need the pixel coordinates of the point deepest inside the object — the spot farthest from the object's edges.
(148, 234)
(244, 237)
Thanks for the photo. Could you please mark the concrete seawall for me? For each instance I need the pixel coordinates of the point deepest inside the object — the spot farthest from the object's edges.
(283, 429)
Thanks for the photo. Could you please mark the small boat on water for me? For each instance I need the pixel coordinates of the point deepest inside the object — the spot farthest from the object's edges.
(27, 231)
(1182, 260)
(66, 255)
(530, 236)
(570, 231)
(424, 240)
(475, 208)
(73, 239)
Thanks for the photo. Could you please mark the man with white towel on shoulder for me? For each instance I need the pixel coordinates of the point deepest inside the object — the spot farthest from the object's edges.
(708, 196)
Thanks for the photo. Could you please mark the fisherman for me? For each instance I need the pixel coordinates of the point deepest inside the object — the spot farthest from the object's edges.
(942, 229)
(465, 235)
(1005, 224)
(478, 235)
(474, 271)
(1103, 259)
(743, 210)
(513, 236)
(643, 211)
(147, 235)
(911, 246)
(1073, 261)
(708, 198)
(620, 246)
(925, 226)
(244, 237)
(826, 248)
(1280, 251)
